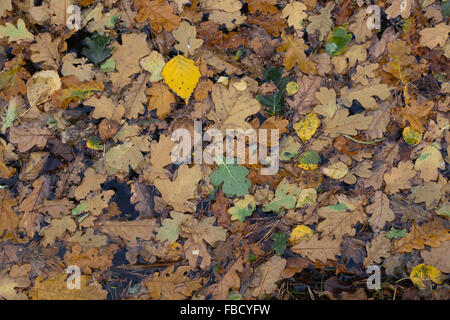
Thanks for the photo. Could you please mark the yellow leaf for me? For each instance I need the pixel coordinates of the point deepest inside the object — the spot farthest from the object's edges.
(308, 126)
(181, 75)
(425, 272)
(300, 233)
(292, 88)
(153, 63)
(336, 170)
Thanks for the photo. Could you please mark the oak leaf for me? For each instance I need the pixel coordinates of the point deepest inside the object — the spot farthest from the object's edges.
(26, 137)
(16, 34)
(8, 218)
(295, 54)
(105, 108)
(178, 192)
(294, 11)
(378, 248)
(341, 218)
(399, 7)
(91, 183)
(57, 229)
(381, 211)
(89, 259)
(161, 99)
(341, 123)
(57, 289)
(429, 162)
(153, 63)
(172, 284)
(160, 15)
(8, 285)
(267, 275)
(359, 26)
(73, 91)
(46, 51)
(321, 22)
(232, 107)
(73, 66)
(364, 95)
(324, 249)
(432, 37)
(186, 34)
(127, 61)
(438, 257)
(60, 14)
(131, 230)
(430, 234)
(399, 177)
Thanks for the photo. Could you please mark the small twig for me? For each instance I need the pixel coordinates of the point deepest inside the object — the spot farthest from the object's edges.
(363, 142)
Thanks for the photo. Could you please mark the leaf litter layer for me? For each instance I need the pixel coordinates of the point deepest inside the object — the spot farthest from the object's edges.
(89, 106)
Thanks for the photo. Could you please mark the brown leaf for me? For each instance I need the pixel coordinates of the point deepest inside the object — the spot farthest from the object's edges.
(315, 249)
(142, 199)
(220, 209)
(172, 284)
(160, 14)
(57, 289)
(26, 137)
(46, 51)
(231, 280)
(161, 99)
(380, 210)
(430, 234)
(438, 257)
(197, 254)
(399, 177)
(379, 247)
(267, 275)
(295, 54)
(131, 230)
(8, 218)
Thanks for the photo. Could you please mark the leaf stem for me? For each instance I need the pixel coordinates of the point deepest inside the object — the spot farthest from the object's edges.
(363, 142)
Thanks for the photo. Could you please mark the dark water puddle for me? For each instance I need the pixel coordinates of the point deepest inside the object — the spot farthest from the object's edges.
(122, 198)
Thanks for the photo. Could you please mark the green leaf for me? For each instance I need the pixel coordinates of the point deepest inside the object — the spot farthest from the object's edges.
(171, 227)
(234, 296)
(242, 208)
(95, 143)
(108, 65)
(338, 41)
(279, 242)
(285, 197)
(444, 210)
(118, 159)
(97, 50)
(232, 176)
(11, 115)
(18, 34)
(446, 9)
(340, 207)
(396, 233)
(274, 103)
(79, 209)
(309, 160)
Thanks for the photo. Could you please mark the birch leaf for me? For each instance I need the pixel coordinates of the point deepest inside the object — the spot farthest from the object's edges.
(181, 75)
